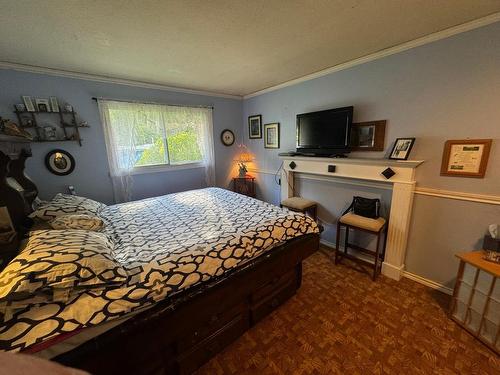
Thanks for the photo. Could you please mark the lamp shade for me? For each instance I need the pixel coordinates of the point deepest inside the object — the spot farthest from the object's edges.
(244, 157)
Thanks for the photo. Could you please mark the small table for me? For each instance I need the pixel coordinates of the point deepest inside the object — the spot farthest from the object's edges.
(475, 303)
(244, 185)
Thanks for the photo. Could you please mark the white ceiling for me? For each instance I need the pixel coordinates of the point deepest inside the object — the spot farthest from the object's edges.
(225, 46)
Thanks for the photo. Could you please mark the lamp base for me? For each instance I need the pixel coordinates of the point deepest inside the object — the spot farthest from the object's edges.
(243, 171)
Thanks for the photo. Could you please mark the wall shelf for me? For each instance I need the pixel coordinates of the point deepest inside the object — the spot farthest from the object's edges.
(67, 120)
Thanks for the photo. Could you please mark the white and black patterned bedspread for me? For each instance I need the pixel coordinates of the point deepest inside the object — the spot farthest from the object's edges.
(166, 244)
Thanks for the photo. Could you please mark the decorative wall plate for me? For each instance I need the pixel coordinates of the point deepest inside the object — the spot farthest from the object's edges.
(60, 162)
(227, 137)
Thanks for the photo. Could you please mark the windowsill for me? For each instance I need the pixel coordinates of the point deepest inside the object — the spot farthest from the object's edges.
(165, 168)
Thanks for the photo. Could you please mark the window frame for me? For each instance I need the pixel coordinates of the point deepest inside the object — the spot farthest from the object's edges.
(165, 167)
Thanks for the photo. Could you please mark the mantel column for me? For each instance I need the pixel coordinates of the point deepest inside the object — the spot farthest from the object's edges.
(287, 183)
(399, 225)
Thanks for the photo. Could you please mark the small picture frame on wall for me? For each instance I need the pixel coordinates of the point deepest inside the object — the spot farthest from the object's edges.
(255, 127)
(465, 157)
(368, 136)
(401, 149)
(42, 105)
(54, 104)
(28, 103)
(272, 135)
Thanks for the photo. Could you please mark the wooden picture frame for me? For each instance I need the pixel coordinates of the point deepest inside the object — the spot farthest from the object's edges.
(465, 157)
(255, 127)
(402, 148)
(272, 135)
(368, 136)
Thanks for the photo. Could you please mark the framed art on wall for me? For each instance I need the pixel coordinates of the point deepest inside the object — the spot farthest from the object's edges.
(401, 149)
(28, 103)
(60, 162)
(272, 135)
(465, 158)
(368, 136)
(255, 127)
(42, 105)
(227, 137)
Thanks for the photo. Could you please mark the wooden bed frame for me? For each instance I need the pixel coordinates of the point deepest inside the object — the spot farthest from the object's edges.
(178, 335)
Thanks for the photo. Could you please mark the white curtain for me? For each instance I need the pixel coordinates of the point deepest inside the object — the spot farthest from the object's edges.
(201, 117)
(121, 121)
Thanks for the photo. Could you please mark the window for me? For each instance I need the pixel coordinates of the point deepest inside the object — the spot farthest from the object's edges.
(154, 135)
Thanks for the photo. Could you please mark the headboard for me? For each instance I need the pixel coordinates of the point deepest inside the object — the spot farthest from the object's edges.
(17, 191)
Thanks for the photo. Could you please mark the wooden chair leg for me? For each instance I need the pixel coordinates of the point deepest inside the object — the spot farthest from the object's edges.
(377, 255)
(346, 239)
(337, 244)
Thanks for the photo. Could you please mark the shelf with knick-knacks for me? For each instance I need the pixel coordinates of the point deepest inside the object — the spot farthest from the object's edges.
(68, 129)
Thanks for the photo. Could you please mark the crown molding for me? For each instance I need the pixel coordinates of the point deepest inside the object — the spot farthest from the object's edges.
(105, 79)
(480, 22)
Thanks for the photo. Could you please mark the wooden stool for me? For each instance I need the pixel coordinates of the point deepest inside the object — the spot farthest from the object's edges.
(365, 224)
(303, 205)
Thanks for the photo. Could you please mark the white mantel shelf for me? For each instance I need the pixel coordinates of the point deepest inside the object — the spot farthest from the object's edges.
(364, 169)
(403, 186)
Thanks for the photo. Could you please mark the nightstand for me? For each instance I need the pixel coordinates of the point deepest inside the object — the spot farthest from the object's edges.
(244, 185)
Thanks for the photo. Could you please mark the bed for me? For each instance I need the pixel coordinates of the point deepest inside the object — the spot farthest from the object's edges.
(202, 267)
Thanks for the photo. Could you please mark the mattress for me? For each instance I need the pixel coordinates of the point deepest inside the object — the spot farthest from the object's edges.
(167, 245)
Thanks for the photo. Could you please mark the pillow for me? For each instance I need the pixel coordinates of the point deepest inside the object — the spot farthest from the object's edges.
(64, 204)
(57, 262)
(85, 222)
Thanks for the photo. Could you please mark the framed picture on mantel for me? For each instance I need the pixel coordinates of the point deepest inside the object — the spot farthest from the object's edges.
(465, 158)
(368, 136)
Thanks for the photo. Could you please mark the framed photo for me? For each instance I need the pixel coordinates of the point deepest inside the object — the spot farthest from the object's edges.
(28, 103)
(368, 136)
(272, 135)
(402, 148)
(42, 105)
(255, 127)
(54, 105)
(466, 157)
(60, 162)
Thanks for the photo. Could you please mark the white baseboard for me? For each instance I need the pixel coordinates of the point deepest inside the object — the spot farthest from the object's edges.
(427, 282)
(391, 271)
(396, 273)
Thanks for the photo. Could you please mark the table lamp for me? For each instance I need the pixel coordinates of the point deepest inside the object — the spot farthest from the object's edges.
(243, 158)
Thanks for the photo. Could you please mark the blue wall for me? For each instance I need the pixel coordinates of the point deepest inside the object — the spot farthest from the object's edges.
(448, 89)
(91, 176)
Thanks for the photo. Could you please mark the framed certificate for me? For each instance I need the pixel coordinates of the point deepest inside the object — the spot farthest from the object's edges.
(465, 158)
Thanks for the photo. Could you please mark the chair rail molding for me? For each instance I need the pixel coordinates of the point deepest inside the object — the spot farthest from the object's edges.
(403, 189)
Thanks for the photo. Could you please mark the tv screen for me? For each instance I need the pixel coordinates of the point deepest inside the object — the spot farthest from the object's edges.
(324, 132)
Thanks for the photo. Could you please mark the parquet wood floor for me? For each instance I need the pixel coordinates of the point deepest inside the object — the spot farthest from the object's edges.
(340, 322)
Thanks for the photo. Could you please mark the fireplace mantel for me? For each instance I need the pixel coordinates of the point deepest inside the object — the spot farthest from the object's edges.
(403, 185)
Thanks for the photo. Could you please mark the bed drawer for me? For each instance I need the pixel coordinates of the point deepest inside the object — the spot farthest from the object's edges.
(209, 326)
(273, 286)
(281, 293)
(192, 359)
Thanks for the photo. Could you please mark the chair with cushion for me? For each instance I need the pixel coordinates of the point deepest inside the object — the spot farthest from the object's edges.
(303, 205)
(377, 226)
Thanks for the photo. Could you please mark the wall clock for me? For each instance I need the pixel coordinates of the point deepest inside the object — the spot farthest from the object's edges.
(60, 162)
(227, 137)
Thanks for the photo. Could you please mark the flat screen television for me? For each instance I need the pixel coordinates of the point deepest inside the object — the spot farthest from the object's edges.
(325, 132)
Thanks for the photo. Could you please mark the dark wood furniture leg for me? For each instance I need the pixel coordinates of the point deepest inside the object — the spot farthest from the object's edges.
(337, 244)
